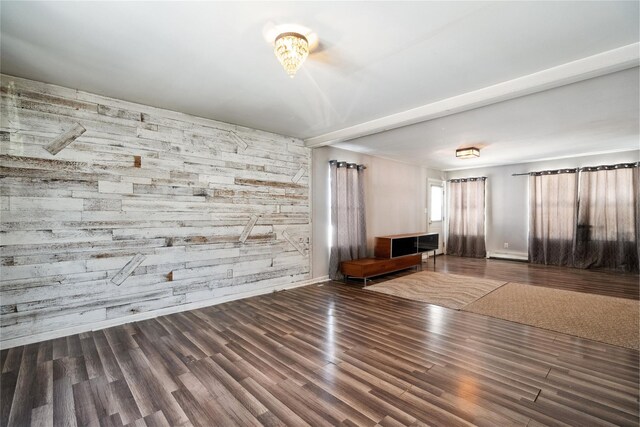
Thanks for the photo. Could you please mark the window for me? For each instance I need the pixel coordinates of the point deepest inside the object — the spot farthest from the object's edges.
(435, 210)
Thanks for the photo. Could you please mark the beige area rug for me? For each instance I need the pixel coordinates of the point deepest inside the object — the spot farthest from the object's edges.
(447, 290)
(596, 317)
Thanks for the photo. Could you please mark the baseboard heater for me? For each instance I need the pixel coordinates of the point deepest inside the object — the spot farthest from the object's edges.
(509, 256)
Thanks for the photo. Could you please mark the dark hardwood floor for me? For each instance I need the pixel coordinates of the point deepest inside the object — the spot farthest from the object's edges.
(602, 282)
(331, 354)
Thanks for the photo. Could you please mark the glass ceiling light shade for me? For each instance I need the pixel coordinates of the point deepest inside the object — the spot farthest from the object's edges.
(291, 49)
(467, 153)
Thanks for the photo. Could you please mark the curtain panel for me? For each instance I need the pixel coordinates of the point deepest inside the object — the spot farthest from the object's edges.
(348, 227)
(553, 205)
(608, 228)
(466, 236)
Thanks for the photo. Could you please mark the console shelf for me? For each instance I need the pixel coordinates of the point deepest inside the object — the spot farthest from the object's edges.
(398, 245)
(392, 253)
(364, 268)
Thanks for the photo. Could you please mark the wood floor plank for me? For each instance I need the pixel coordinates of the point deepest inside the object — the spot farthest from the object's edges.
(4, 353)
(197, 410)
(108, 360)
(348, 413)
(157, 419)
(8, 382)
(22, 404)
(311, 411)
(277, 407)
(269, 420)
(64, 411)
(390, 422)
(421, 409)
(576, 380)
(91, 357)
(42, 393)
(486, 414)
(74, 345)
(73, 368)
(128, 410)
(13, 359)
(158, 352)
(111, 421)
(597, 409)
(201, 407)
(103, 398)
(42, 416)
(233, 388)
(138, 383)
(86, 412)
(45, 352)
(332, 354)
(358, 394)
(60, 348)
(602, 282)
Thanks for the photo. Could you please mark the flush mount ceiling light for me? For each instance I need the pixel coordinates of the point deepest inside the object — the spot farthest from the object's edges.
(467, 153)
(291, 49)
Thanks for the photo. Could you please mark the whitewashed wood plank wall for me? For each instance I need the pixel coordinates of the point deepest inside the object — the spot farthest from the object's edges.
(110, 208)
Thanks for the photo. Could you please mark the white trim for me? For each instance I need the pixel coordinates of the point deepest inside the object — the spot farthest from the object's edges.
(43, 336)
(438, 183)
(519, 256)
(600, 64)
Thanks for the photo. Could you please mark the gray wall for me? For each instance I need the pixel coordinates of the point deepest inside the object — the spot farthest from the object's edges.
(395, 197)
(171, 230)
(507, 197)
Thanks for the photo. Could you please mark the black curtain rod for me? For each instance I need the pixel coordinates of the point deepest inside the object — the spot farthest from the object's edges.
(547, 172)
(341, 164)
(585, 169)
(476, 178)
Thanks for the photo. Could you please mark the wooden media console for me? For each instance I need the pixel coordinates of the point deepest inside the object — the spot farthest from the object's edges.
(392, 253)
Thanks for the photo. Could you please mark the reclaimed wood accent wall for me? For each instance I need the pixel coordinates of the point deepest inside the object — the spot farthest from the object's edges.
(110, 208)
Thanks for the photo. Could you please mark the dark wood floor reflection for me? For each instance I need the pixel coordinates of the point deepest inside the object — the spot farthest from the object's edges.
(602, 282)
(329, 354)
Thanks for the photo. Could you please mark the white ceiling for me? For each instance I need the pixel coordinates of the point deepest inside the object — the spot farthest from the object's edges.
(590, 117)
(210, 59)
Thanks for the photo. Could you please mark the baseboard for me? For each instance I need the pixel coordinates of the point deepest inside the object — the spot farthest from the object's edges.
(43, 336)
(320, 279)
(515, 256)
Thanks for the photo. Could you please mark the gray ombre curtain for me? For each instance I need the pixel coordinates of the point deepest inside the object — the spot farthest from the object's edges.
(608, 229)
(553, 206)
(348, 227)
(466, 217)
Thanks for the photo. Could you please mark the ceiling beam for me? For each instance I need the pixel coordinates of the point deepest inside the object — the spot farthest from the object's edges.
(582, 69)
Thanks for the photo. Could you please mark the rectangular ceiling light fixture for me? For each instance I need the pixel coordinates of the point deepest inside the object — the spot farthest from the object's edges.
(467, 153)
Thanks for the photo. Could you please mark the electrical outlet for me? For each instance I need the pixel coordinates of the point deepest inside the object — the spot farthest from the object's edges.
(506, 245)
(230, 273)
